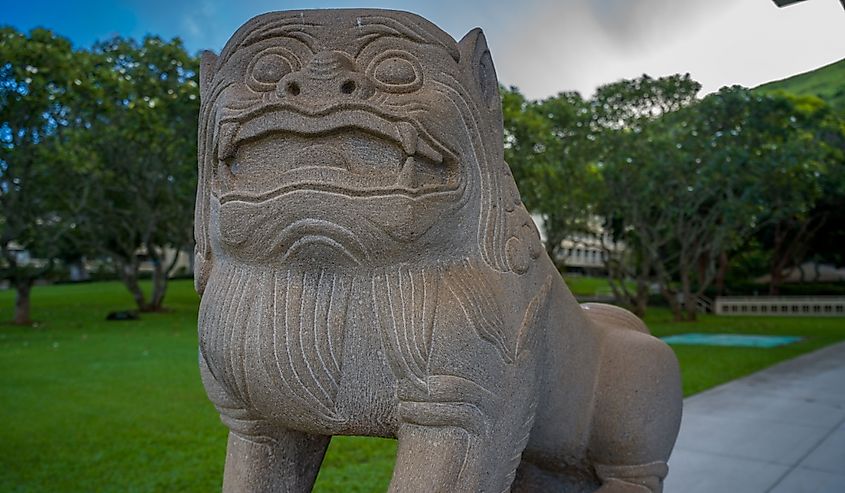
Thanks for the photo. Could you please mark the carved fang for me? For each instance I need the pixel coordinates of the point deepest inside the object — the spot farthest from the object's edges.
(408, 136)
(413, 145)
(226, 141)
(424, 149)
(408, 176)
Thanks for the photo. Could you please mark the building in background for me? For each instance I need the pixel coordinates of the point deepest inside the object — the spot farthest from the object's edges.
(585, 253)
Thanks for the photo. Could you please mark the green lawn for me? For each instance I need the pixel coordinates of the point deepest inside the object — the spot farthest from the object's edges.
(589, 286)
(95, 406)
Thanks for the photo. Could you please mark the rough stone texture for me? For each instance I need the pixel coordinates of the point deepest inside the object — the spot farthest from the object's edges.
(367, 268)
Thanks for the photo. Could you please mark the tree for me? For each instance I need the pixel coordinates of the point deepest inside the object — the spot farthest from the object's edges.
(681, 182)
(636, 153)
(39, 191)
(800, 146)
(143, 129)
(549, 147)
(692, 184)
(710, 185)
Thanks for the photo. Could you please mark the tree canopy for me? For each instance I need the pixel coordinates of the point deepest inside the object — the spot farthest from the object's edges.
(682, 182)
(143, 129)
(39, 166)
(97, 152)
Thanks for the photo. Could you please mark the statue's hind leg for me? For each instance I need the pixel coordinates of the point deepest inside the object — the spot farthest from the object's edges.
(637, 412)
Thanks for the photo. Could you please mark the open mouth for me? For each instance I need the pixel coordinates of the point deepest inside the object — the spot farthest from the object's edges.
(351, 152)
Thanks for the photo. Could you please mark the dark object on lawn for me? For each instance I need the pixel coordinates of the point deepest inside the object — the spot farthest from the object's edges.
(122, 316)
(368, 268)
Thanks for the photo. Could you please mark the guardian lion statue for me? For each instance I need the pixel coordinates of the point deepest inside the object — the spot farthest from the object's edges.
(366, 267)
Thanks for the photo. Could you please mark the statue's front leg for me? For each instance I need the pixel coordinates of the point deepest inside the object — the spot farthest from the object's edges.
(441, 448)
(261, 456)
(432, 459)
(459, 438)
(287, 462)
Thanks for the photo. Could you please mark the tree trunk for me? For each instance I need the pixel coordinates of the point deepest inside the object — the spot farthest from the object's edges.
(159, 286)
(689, 301)
(791, 248)
(161, 274)
(672, 298)
(641, 304)
(776, 272)
(776, 279)
(722, 273)
(692, 310)
(129, 275)
(22, 305)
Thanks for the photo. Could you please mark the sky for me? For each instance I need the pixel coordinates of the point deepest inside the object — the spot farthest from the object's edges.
(541, 46)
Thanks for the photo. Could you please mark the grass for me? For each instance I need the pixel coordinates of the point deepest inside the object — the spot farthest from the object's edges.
(587, 285)
(590, 286)
(703, 367)
(96, 406)
(824, 82)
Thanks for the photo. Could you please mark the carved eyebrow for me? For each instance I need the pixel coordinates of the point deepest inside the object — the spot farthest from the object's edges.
(292, 27)
(296, 30)
(373, 27)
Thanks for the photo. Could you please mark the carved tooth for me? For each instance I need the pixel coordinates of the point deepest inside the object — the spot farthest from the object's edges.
(226, 141)
(408, 176)
(409, 137)
(424, 149)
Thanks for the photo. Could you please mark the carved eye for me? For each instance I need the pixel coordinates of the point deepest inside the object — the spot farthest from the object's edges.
(396, 71)
(268, 68)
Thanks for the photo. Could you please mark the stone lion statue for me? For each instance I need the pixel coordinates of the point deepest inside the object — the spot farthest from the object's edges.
(366, 267)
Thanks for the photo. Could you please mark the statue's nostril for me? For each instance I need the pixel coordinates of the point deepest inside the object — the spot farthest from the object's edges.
(348, 87)
(292, 88)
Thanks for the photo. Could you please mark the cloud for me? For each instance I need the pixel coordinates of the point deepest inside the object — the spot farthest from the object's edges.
(581, 44)
(541, 46)
(632, 22)
(191, 26)
(574, 42)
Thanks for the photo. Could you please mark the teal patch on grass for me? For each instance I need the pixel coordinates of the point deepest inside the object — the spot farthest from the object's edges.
(730, 340)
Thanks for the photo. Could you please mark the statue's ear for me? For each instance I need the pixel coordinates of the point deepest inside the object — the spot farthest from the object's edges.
(207, 62)
(477, 66)
(476, 58)
(202, 250)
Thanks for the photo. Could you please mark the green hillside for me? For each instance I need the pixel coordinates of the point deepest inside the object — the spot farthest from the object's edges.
(827, 82)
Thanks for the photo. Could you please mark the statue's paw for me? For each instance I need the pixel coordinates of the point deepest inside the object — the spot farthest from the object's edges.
(642, 478)
(619, 486)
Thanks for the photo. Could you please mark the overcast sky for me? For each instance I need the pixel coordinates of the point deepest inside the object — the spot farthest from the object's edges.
(541, 46)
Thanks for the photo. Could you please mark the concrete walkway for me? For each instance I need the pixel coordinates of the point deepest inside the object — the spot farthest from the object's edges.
(781, 430)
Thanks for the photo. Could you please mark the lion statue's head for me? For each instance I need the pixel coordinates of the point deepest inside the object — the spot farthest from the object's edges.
(352, 138)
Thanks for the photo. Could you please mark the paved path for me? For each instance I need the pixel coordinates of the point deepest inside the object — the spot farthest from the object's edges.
(781, 430)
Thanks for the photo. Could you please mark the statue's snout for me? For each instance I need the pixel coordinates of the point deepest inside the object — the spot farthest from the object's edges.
(328, 76)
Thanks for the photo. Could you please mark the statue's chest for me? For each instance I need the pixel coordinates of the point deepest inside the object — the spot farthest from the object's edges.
(303, 349)
(333, 353)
